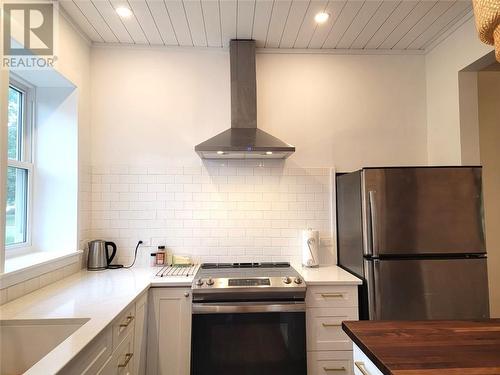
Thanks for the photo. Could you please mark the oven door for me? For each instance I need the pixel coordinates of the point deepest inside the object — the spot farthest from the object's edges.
(248, 338)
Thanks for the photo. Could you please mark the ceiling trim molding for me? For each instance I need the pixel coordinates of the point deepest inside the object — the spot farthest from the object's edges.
(291, 51)
(75, 26)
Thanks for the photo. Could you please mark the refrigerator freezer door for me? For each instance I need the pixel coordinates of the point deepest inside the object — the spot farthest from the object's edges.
(411, 211)
(428, 289)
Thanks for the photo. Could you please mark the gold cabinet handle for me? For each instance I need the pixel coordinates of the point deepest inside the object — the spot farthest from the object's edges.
(331, 324)
(127, 322)
(128, 357)
(332, 295)
(333, 369)
(361, 367)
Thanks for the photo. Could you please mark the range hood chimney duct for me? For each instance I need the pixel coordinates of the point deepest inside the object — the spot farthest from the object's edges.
(243, 140)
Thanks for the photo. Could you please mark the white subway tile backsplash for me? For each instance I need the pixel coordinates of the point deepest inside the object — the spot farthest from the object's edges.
(224, 210)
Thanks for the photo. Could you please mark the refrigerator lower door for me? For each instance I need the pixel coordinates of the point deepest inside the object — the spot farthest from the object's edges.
(427, 289)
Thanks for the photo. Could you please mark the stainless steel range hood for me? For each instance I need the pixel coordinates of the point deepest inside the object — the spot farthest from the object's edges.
(243, 140)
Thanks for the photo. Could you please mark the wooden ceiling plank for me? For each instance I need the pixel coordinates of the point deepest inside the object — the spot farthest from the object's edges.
(179, 21)
(131, 24)
(406, 25)
(437, 11)
(383, 12)
(162, 20)
(364, 16)
(81, 21)
(403, 9)
(343, 22)
(295, 19)
(146, 21)
(263, 10)
(440, 24)
(211, 15)
(245, 14)
(113, 21)
(196, 22)
(280, 13)
(320, 32)
(228, 18)
(93, 16)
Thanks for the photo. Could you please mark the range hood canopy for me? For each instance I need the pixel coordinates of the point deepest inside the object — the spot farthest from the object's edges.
(243, 140)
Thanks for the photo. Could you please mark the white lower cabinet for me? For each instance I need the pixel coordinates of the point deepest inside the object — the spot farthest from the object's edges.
(329, 349)
(169, 331)
(122, 360)
(329, 362)
(119, 349)
(362, 364)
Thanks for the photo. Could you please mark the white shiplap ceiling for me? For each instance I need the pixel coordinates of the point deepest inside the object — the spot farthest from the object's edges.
(353, 25)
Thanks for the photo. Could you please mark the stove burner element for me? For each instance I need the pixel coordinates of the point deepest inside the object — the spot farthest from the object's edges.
(245, 265)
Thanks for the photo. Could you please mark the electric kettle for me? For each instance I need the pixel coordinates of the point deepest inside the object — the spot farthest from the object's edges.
(99, 258)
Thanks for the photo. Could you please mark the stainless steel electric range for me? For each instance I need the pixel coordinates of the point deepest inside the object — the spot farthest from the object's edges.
(248, 318)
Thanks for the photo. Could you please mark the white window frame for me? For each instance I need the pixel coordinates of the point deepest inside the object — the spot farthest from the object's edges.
(27, 156)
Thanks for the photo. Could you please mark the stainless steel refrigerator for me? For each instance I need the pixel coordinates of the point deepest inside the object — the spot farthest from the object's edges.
(415, 235)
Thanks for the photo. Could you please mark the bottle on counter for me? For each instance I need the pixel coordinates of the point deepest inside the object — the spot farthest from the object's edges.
(160, 256)
(152, 262)
(169, 258)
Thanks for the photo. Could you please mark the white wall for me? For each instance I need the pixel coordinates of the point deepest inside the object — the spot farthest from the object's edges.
(153, 106)
(150, 107)
(74, 64)
(489, 130)
(443, 63)
(55, 195)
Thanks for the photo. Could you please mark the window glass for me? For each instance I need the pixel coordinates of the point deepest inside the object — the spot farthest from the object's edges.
(19, 166)
(16, 211)
(15, 123)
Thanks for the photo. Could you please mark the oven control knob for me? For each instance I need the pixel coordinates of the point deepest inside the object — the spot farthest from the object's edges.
(287, 280)
(199, 282)
(297, 280)
(210, 281)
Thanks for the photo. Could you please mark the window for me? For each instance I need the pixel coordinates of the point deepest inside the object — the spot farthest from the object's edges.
(20, 167)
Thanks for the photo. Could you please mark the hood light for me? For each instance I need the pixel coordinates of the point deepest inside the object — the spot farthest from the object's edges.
(123, 12)
(220, 152)
(321, 17)
(269, 152)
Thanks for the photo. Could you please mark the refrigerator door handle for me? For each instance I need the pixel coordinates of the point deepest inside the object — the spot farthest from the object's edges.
(373, 221)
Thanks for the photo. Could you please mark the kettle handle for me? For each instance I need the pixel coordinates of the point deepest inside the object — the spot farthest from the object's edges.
(110, 257)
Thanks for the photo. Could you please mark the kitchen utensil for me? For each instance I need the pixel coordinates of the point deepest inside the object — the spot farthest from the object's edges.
(99, 257)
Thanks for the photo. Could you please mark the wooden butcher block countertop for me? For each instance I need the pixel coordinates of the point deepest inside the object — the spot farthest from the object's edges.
(430, 347)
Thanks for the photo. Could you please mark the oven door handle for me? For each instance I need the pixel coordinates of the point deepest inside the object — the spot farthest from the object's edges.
(246, 307)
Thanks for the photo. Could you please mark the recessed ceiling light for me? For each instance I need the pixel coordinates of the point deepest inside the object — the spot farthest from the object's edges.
(321, 17)
(124, 12)
(269, 152)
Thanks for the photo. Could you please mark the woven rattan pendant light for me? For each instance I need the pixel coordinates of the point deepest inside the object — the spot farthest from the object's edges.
(487, 14)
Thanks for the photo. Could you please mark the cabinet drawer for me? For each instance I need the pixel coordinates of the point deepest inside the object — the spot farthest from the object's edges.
(122, 360)
(362, 364)
(324, 328)
(123, 325)
(92, 357)
(332, 296)
(330, 363)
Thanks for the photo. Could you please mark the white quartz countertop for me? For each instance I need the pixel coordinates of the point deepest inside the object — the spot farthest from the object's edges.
(327, 275)
(98, 296)
(101, 296)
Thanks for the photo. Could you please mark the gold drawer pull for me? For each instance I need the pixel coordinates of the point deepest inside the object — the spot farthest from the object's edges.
(331, 324)
(332, 369)
(128, 357)
(361, 367)
(127, 322)
(332, 295)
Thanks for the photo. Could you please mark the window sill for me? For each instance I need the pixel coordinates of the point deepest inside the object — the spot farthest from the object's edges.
(24, 267)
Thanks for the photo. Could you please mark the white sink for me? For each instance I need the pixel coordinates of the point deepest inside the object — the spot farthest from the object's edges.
(24, 342)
